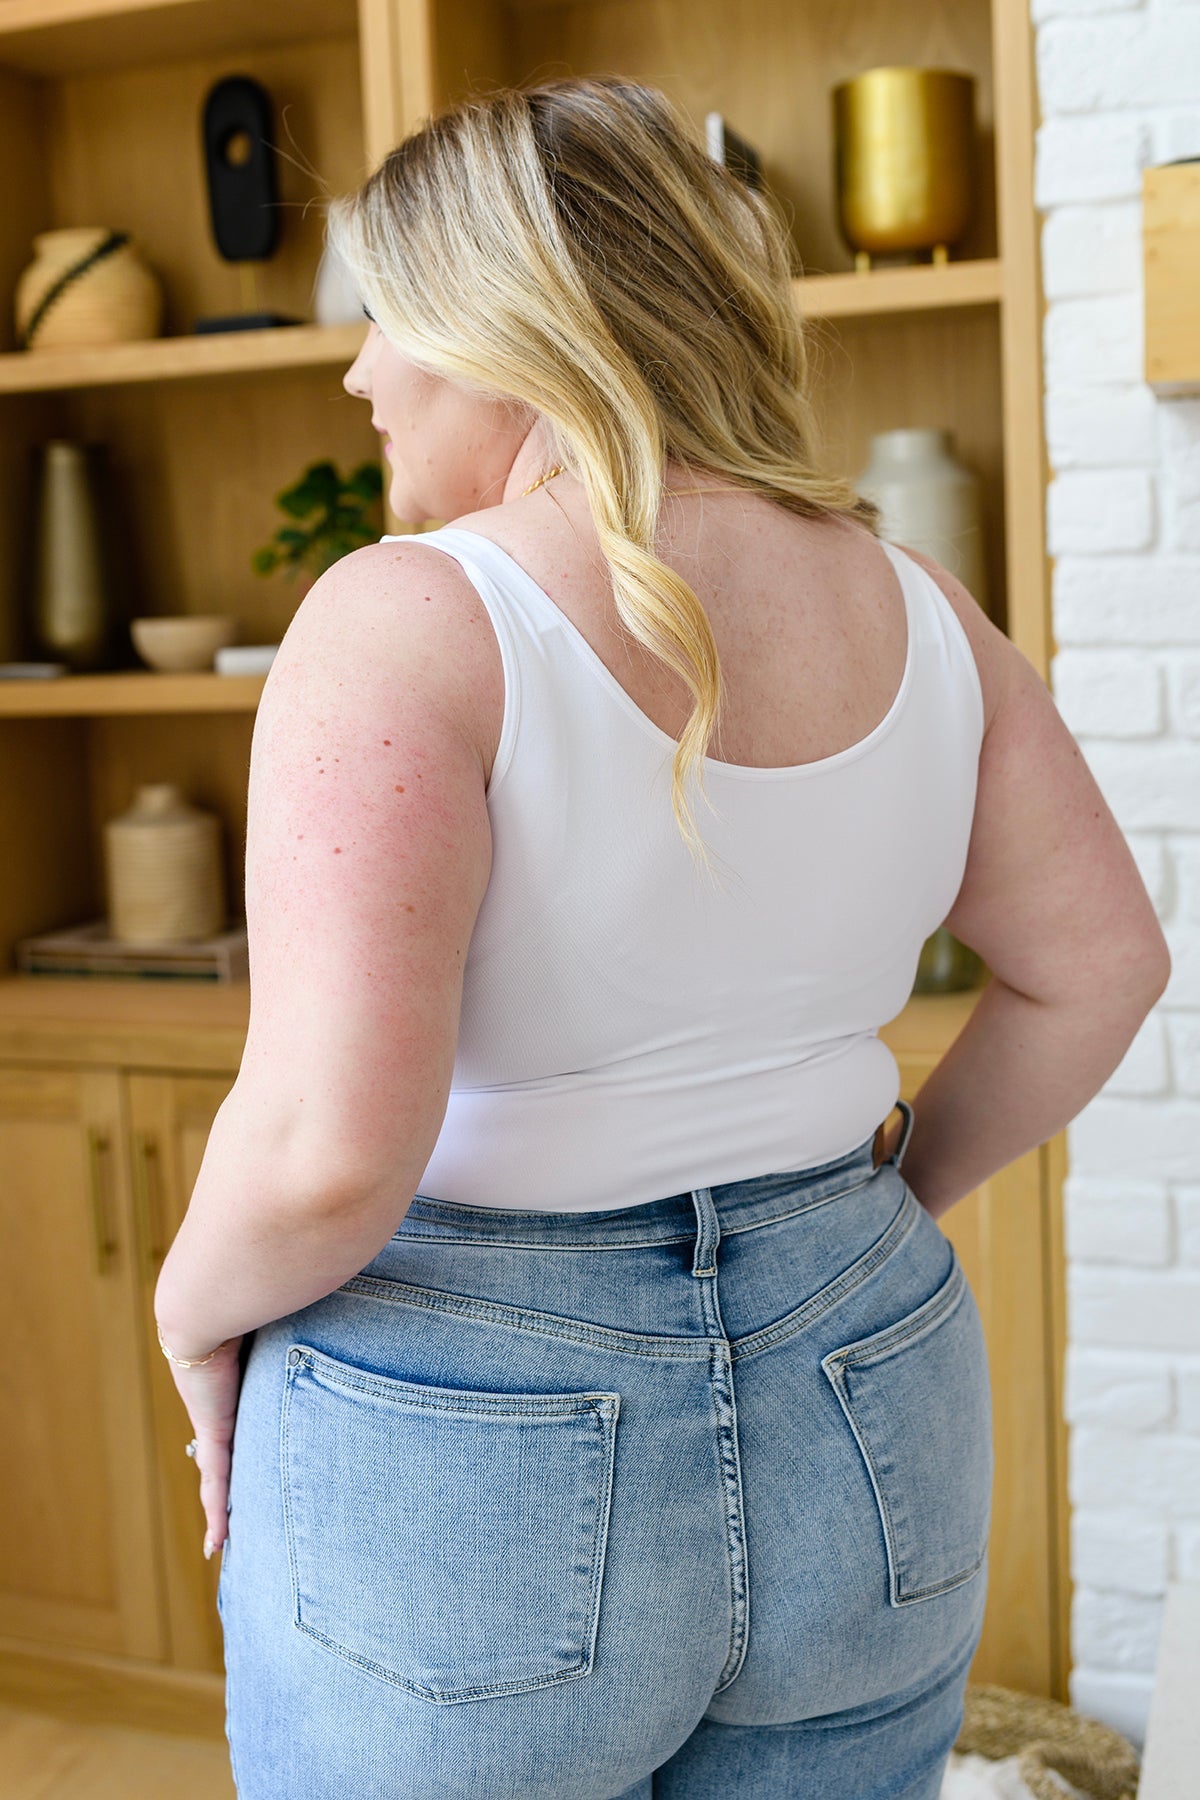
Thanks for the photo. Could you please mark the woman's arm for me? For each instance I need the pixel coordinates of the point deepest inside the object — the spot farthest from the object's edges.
(1052, 900)
(368, 852)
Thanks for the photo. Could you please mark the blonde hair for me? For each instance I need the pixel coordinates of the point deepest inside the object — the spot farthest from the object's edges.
(571, 246)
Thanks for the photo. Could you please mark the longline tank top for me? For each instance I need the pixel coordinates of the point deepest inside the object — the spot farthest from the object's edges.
(633, 1027)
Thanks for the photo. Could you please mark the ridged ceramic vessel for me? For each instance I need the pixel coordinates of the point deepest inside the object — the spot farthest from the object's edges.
(163, 868)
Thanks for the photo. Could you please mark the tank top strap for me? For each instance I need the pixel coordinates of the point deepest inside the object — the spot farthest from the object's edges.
(514, 613)
(941, 639)
(501, 583)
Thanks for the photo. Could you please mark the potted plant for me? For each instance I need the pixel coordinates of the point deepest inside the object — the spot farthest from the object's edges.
(334, 516)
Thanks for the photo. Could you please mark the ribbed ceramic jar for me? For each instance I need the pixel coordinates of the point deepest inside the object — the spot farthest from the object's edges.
(930, 501)
(113, 299)
(163, 869)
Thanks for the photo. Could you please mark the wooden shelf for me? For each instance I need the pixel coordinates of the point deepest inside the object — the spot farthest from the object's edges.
(93, 1020)
(926, 287)
(132, 691)
(202, 1024)
(180, 358)
(71, 37)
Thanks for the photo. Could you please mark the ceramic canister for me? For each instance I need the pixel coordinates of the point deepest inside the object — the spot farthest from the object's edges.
(930, 501)
(163, 870)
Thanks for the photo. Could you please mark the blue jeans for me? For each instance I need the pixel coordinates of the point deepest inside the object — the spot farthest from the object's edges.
(681, 1501)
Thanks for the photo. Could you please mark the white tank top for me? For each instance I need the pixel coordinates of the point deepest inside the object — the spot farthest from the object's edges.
(632, 1028)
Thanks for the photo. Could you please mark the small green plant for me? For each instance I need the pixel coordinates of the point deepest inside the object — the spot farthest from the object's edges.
(338, 516)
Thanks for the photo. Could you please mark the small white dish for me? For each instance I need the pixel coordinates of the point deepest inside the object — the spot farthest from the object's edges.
(245, 659)
(180, 644)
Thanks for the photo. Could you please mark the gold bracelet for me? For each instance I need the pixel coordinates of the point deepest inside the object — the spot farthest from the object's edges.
(190, 1362)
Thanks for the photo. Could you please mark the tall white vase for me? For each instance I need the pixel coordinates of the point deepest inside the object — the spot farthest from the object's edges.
(335, 298)
(930, 501)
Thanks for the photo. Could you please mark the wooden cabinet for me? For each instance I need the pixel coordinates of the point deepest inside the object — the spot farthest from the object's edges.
(102, 1130)
(77, 1508)
(170, 1115)
(109, 1086)
(1008, 1239)
(98, 1166)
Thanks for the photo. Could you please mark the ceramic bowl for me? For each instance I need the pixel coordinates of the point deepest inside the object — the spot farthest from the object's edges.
(180, 645)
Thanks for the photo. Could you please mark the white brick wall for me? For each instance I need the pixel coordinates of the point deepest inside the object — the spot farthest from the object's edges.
(1119, 89)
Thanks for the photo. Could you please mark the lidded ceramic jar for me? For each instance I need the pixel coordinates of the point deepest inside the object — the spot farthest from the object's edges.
(163, 869)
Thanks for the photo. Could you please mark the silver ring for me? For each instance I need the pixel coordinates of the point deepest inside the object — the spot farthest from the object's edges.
(192, 1447)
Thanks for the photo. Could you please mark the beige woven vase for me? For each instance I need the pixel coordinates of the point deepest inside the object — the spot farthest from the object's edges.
(163, 869)
(93, 295)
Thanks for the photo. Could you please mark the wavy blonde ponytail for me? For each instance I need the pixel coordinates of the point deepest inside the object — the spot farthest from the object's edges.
(572, 247)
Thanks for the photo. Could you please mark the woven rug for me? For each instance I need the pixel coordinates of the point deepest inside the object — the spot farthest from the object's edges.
(1020, 1747)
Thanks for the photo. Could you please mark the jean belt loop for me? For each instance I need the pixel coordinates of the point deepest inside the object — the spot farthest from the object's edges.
(708, 1232)
(897, 1156)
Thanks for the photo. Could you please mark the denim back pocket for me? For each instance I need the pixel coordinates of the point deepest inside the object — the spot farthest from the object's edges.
(917, 1399)
(449, 1541)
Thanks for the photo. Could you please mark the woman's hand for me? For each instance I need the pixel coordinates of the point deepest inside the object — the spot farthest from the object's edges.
(210, 1393)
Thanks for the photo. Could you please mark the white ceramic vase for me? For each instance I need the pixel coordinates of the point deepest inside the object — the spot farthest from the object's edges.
(335, 299)
(930, 501)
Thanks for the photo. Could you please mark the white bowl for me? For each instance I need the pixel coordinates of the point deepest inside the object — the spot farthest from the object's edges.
(181, 644)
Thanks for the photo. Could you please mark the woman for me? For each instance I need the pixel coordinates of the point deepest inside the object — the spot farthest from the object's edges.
(615, 1416)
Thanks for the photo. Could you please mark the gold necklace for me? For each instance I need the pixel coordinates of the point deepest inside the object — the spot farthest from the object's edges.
(548, 476)
(670, 492)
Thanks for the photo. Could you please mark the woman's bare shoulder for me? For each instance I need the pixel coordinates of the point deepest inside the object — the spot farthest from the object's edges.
(410, 611)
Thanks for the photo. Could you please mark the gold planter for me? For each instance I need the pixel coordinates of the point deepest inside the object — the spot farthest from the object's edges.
(905, 150)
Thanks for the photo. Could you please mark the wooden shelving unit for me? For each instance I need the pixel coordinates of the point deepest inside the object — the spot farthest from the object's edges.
(99, 112)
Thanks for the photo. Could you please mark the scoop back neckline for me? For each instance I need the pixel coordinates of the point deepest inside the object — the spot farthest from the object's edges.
(742, 771)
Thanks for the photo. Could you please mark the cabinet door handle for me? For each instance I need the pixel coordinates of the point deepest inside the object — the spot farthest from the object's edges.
(106, 1244)
(145, 1160)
